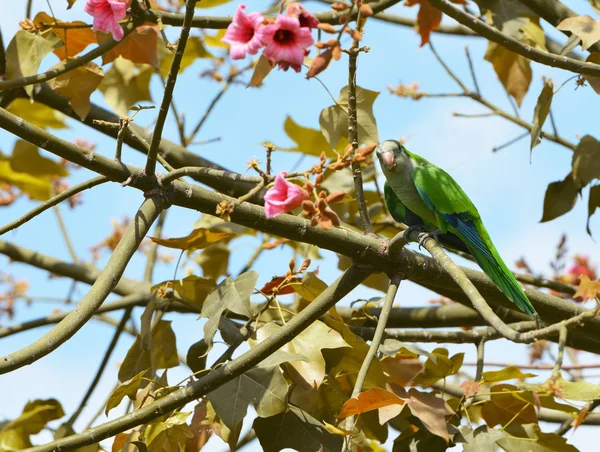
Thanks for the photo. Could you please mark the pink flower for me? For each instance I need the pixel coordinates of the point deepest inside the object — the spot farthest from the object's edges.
(107, 14)
(286, 42)
(242, 34)
(283, 196)
(306, 19)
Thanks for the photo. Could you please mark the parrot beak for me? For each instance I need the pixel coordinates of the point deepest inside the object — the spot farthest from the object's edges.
(387, 158)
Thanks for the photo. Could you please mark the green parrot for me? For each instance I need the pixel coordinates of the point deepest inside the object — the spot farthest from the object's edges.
(402, 214)
(431, 194)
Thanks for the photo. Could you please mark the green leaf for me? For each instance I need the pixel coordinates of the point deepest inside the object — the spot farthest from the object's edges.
(586, 161)
(210, 3)
(308, 141)
(26, 158)
(560, 198)
(128, 388)
(441, 367)
(542, 108)
(234, 296)
(508, 373)
(14, 435)
(168, 435)
(334, 119)
(163, 354)
(593, 204)
(38, 114)
(25, 53)
(194, 49)
(263, 387)
(309, 343)
(295, 429)
(530, 438)
(580, 390)
(507, 405)
(78, 85)
(126, 84)
(481, 439)
(196, 356)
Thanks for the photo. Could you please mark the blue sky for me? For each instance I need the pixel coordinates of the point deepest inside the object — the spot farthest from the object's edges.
(507, 189)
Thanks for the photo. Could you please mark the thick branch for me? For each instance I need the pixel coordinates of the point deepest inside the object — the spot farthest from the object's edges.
(105, 283)
(537, 55)
(335, 292)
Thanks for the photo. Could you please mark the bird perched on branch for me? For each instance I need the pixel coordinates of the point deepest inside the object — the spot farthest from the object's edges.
(430, 196)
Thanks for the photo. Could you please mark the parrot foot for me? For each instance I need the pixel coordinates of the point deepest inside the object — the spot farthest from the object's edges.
(433, 235)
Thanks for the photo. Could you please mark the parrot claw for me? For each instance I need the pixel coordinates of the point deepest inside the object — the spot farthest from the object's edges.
(414, 228)
(433, 235)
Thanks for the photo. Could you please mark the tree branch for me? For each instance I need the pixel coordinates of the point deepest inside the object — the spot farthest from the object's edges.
(537, 55)
(105, 283)
(328, 298)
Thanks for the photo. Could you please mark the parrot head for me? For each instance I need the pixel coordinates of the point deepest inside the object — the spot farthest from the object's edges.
(392, 156)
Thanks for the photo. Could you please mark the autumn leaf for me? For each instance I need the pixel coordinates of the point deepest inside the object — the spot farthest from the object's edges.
(470, 388)
(530, 437)
(126, 84)
(76, 36)
(261, 70)
(560, 198)
(440, 367)
(309, 287)
(14, 435)
(210, 3)
(194, 289)
(310, 343)
(542, 108)
(38, 188)
(277, 281)
(38, 114)
(370, 400)
(513, 70)
(215, 40)
(201, 427)
(481, 439)
(196, 240)
(168, 434)
(26, 158)
(508, 373)
(401, 368)
(25, 53)
(334, 119)
(194, 49)
(78, 85)
(140, 46)
(585, 27)
(428, 18)
(587, 289)
(505, 406)
(586, 161)
(308, 141)
(214, 260)
(128, 388)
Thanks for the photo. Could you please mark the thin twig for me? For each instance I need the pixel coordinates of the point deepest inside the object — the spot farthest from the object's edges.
(153, 249)
(472, 70)
(208, 111)
(65, 234)
(562, 341)
(169, 88)
(53, 202)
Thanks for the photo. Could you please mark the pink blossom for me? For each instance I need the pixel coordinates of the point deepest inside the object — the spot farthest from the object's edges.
(306, 19)
(286, 42)
(107, 14)
(283, 196)
(242, 34)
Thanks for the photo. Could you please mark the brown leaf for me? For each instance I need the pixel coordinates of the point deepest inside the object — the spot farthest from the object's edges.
(585, 27)
(320, 63)
(368, 401)
(587, 289)
(198, 239)
(74, 39)
(269, 288)
(542, 108)
(262, 69)
(140, 46)
(428, 18)
(581, 416)
(78, 85)
(513, 70)
(593, 204)
(560, 198)
(586, 161)
(506, 407)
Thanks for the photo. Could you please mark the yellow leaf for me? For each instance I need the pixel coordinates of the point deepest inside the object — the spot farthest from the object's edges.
(75, 39)
(78, 85)
(585, 27)
(509, 373)
(198, 239)
(140, 46)
(513, 70)
(310, 287)
(25, 53)
(261, 70)
(506, 407)
(587, 289)
(215, 40)
(27, 159)
(336, 430)
(211, 3)
(193, 50)
(36, 187)
(126, 84)
(38, 114)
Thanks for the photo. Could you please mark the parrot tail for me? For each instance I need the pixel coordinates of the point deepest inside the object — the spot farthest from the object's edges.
(479, 243)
